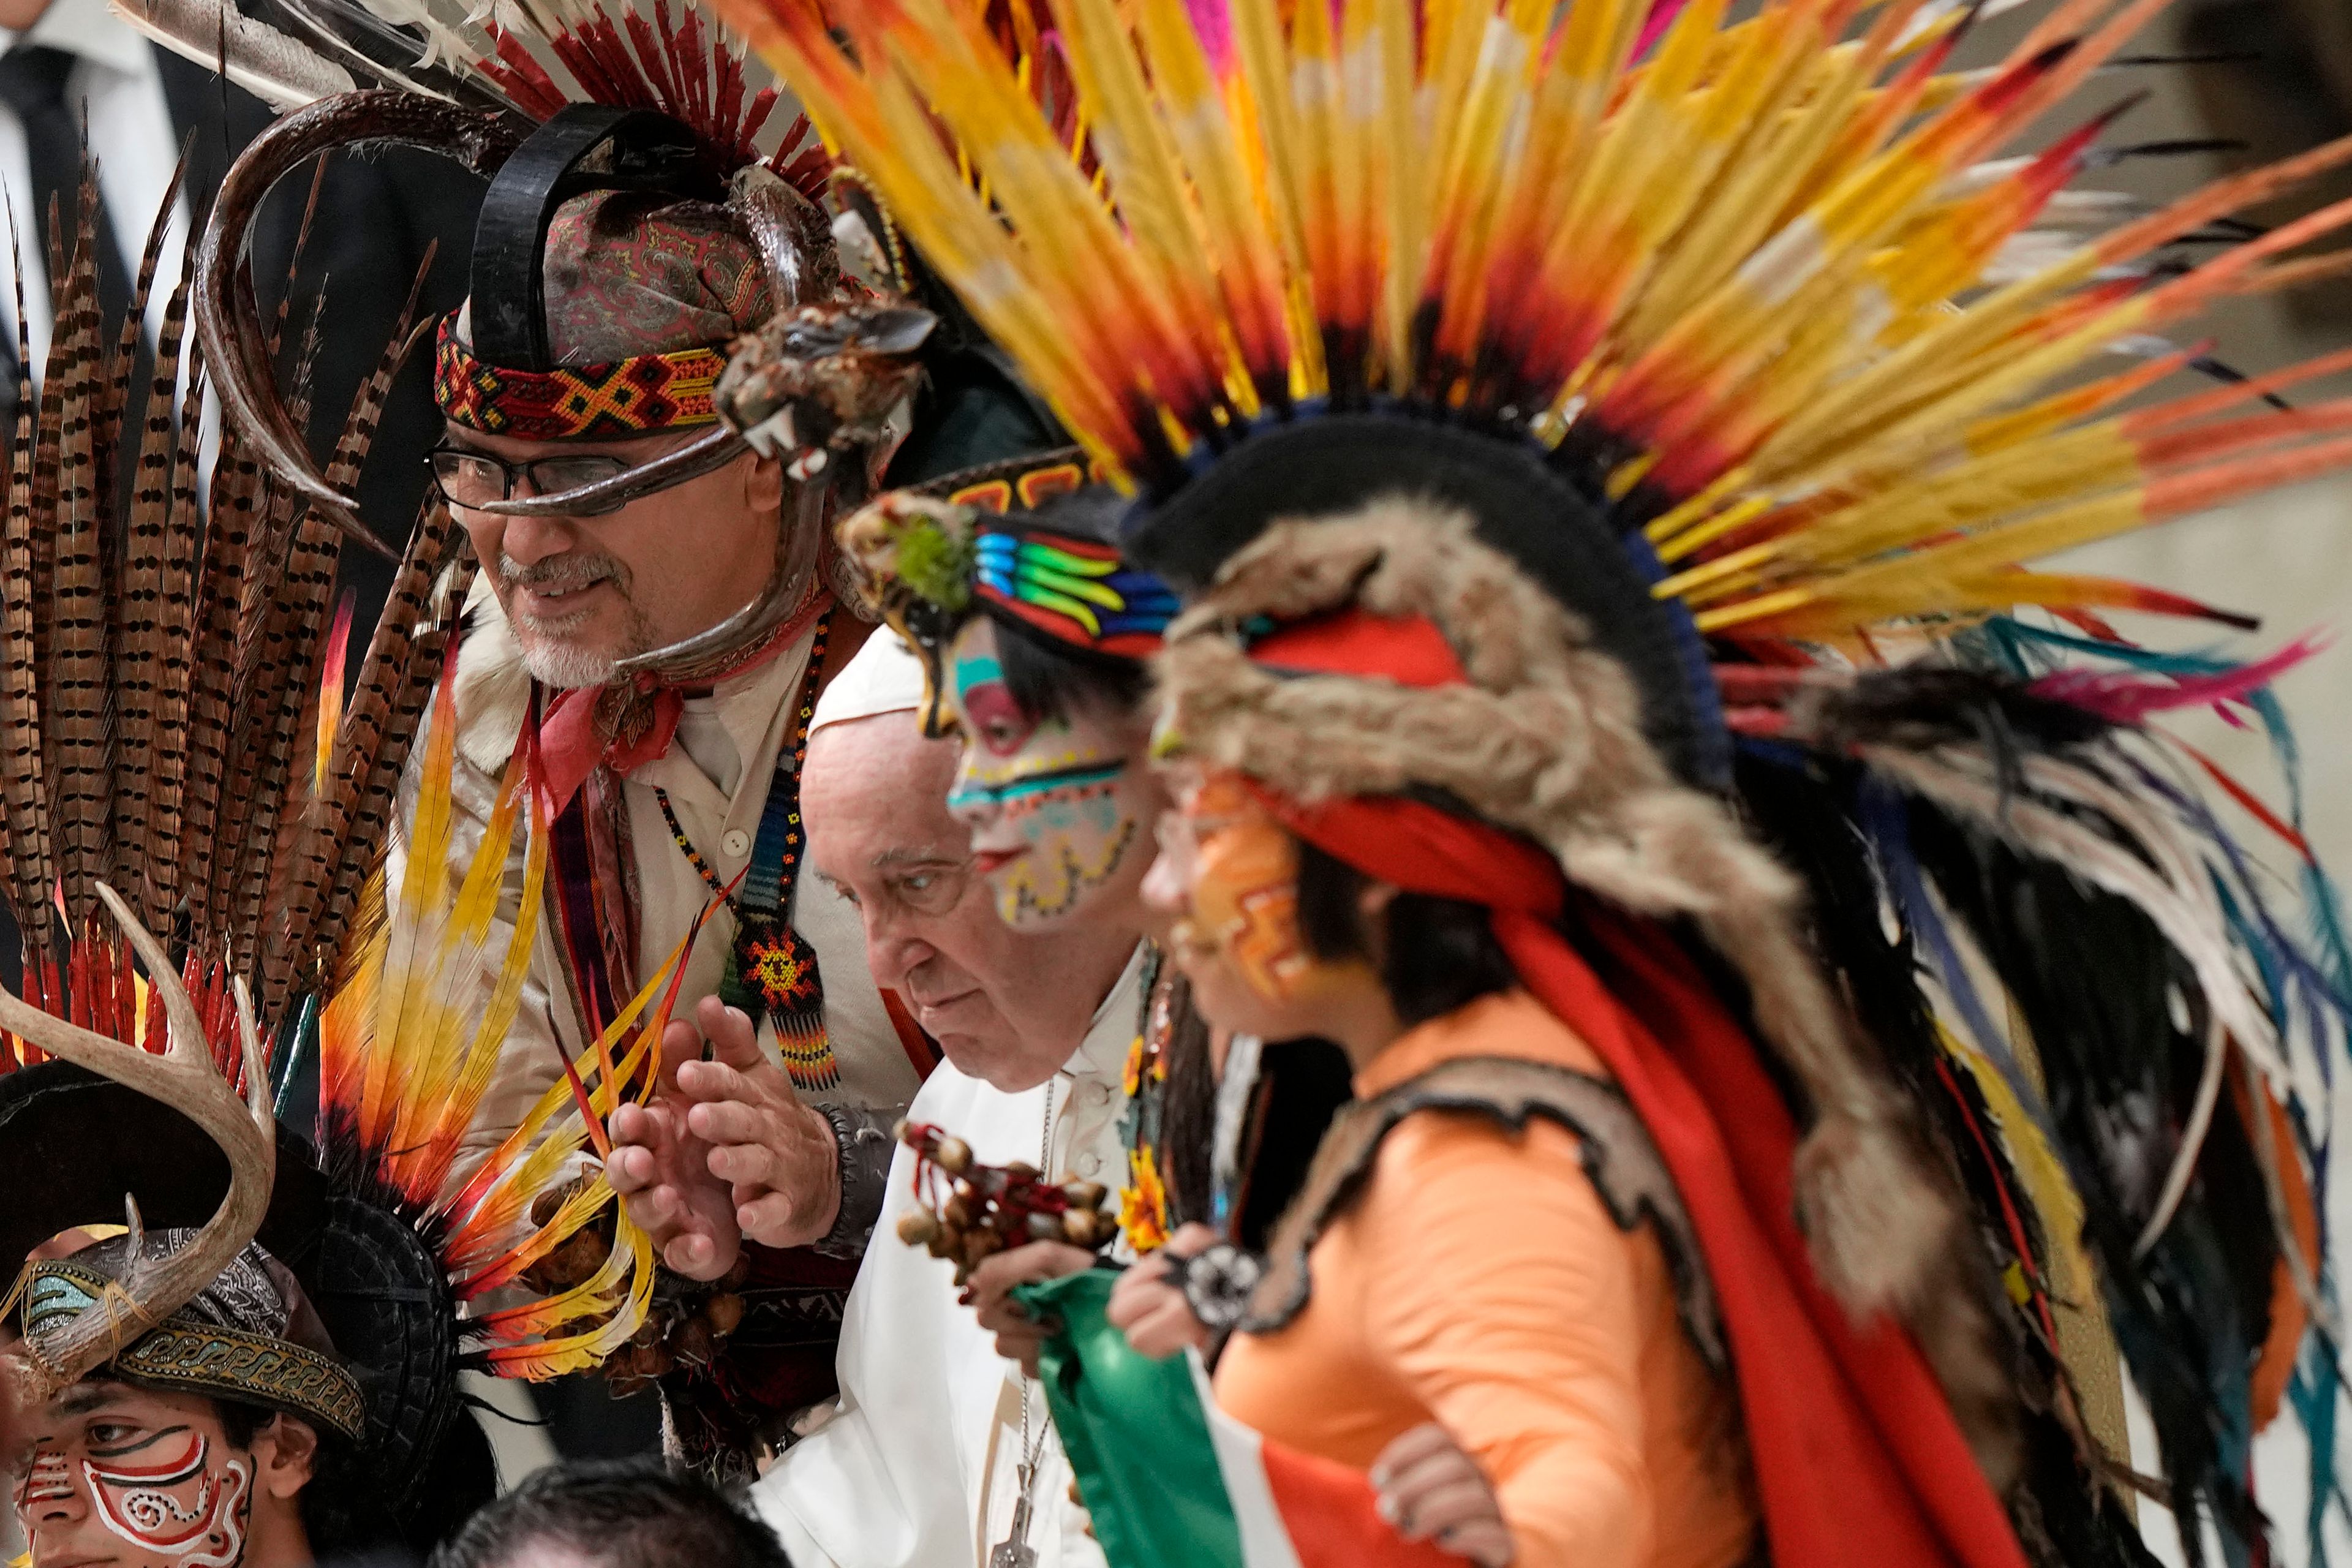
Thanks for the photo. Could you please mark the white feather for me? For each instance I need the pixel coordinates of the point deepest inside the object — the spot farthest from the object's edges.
(281, 71)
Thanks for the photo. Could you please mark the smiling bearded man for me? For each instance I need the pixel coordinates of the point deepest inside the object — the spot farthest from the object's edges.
(658, 597)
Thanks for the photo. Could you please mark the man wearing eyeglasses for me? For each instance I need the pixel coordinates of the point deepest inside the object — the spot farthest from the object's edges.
(661, 600)
(939, 1452)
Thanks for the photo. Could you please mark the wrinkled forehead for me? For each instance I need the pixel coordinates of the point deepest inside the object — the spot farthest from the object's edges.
(876, 786)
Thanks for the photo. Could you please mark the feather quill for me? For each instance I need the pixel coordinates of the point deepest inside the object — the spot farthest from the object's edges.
(24, 782)
(280, 71)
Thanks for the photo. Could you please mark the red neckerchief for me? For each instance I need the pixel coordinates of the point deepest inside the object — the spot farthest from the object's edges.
(625, 725)
(1858, 1460)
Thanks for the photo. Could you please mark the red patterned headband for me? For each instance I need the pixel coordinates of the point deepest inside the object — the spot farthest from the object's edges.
(632, 396)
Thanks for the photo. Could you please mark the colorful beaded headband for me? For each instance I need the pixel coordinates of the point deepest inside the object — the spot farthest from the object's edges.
(634, 396)
(185, 1352)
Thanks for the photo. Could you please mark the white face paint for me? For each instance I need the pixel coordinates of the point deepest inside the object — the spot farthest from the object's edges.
(136, 1478)
(167, 1498)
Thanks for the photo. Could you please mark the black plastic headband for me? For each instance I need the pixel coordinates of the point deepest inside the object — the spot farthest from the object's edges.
(586, 147)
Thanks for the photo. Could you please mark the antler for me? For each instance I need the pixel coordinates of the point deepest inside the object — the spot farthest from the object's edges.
(229, 321)
(184, 1077)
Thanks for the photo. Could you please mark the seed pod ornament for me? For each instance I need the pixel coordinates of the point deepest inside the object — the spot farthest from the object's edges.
(966, 1211)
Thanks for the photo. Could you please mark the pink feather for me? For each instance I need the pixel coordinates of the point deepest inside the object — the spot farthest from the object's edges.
(2127, 697)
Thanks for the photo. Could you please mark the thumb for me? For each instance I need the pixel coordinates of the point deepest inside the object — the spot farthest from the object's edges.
(734, 1037)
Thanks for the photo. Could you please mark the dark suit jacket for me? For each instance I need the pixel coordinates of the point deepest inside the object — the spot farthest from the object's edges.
(377, 215)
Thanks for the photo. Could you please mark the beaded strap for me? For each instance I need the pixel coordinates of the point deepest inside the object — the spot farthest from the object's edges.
(772, 968)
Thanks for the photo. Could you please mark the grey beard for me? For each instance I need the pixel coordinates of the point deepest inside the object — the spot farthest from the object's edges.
(551, 657)
(559, 664)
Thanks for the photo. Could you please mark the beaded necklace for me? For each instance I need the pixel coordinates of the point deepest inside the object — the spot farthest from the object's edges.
(772, 968)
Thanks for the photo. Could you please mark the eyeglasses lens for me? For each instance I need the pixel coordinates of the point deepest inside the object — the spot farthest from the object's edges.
(468, 478)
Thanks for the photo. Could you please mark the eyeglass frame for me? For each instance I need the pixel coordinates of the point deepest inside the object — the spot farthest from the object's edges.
(706, 454)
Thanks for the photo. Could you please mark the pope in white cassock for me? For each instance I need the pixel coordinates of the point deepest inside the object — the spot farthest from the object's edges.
(940, 1454)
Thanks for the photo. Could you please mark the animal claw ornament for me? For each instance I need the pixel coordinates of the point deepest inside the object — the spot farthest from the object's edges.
(826, 377)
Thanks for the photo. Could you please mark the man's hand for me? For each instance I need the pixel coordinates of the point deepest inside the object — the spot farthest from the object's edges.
(989, 1293)
(1149, 1302)
(779, 1158)
(662, 1172)
(1431, 1490)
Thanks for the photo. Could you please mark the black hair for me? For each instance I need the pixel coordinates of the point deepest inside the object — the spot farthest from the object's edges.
(343, 1514)
(632, 1512)
(1051, 680)
(1434, 955)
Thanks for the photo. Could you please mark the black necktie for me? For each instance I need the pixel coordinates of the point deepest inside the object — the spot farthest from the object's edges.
(33, 84)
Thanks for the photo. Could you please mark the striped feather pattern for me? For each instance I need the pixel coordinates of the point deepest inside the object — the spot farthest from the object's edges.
(167, 747)
(78, 672)
(1773, 283)
(336, 816)
(24, 782)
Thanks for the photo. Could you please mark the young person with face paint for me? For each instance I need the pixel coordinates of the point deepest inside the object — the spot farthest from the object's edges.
(176, 1470)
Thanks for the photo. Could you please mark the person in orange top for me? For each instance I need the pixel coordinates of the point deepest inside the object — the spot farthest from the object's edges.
(1542, 1280)
(1533, 1331)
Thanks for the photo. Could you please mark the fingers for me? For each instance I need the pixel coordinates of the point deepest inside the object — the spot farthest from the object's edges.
(1168, 1329)
(1431, 1489)
(990, 1281)
(1190, 1240)
(1409, 1448)
(1423, 1514)
(707, 1082)
(659, 1211)
(732, 1121)
(734, 1038)
(779, 1219)
(681, 1043)
(1486, 1542)
(1425, 1478)
(630, 1170)
(990, 1289)
(1141, 1290)
(699, 1256)
(631, 1124)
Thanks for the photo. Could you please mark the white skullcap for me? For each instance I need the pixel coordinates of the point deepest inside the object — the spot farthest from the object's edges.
(884, 678)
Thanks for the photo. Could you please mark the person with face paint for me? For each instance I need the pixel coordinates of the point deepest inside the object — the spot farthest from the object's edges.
(1615, 703)
(148, 1464)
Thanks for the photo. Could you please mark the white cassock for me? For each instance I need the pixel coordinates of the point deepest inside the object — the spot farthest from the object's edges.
(920, 1468)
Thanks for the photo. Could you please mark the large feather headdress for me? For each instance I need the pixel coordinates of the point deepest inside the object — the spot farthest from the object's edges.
(1755, 342)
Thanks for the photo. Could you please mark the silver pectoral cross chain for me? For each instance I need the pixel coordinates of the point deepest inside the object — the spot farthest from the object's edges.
(1014, 1550)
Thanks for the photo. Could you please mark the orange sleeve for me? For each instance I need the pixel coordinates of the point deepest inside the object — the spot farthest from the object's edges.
(1517, 1326)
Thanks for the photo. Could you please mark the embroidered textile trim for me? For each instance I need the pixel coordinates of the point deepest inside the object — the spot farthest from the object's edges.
(632, 396)
(203, 1357)
(1619, 1158)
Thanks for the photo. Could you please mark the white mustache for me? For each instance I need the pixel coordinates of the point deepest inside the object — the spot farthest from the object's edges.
(565, 574)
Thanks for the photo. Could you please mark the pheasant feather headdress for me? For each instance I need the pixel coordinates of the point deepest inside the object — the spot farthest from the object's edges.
(1752, 341)
(172, 684)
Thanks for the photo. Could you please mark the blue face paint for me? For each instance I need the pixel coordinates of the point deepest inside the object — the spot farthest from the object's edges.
(1056, 806)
